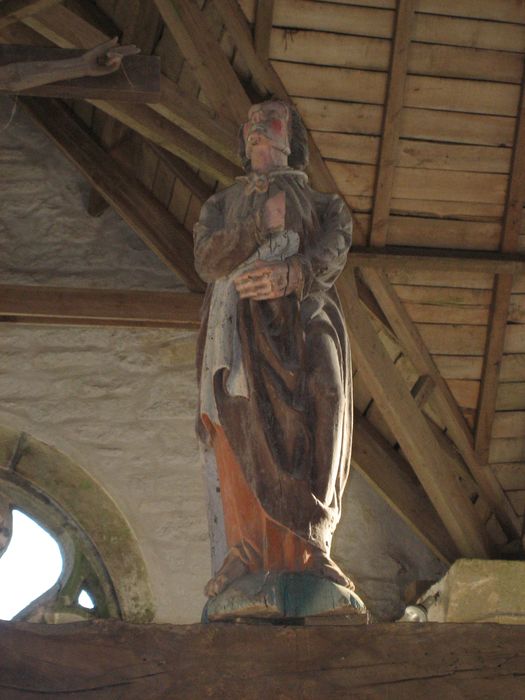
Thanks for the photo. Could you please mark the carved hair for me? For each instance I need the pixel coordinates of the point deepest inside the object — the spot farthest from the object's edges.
(298, 157)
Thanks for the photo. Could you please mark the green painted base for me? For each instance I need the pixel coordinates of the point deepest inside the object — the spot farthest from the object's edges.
(282, 595)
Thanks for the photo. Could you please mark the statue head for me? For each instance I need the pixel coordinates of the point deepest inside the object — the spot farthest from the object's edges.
(275, 124)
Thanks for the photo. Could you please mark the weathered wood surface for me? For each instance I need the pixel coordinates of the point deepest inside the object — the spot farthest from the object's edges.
(138, 79)
(117, 661)
(406, 258)
(497, 339)
(15, 10)
(121, 306)
(405, 16)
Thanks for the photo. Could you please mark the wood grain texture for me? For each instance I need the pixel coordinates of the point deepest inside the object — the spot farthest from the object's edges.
(14, 10)
(109, 659)
(206, 58)
(180, 310)
(137, 81)
(497, 337)
(263, 28)
(418, 341)
(405, 16)
(410, 427)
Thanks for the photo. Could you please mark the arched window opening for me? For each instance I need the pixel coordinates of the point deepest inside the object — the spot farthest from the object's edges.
(30, 565)
(99, 571)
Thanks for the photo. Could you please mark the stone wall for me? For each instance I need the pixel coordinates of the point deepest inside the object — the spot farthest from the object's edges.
(121, 402)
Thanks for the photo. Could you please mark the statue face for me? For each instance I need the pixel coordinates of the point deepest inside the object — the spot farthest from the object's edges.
(267, 126)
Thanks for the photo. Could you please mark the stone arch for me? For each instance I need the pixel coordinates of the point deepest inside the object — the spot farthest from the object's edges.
(65, 499)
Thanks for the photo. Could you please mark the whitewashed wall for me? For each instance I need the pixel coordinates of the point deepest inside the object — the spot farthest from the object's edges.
(121, 401)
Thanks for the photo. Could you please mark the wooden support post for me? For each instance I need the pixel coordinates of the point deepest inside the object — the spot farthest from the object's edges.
(153, 223)
(404, 24)
(410, 427)
(499, 314)
(93, 306)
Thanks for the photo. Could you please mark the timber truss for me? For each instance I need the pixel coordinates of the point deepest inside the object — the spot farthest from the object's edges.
(412, 442)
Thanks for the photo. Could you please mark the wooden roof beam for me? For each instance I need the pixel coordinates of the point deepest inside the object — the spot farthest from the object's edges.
(445, 403)
(263, 28)
(64, 305)
(158, 228)
(404, 24)
(15, 10)
(501, 298)
(395, 258)
(405, 419)
(66, 29)
(218, 80)
(268, 80)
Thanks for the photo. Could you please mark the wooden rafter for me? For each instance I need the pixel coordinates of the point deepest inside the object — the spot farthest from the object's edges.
(395, 258)
(165, 133)
(449, 411)
(210, 64)
(99, 306)
(66, 29)
(147, 217)
(263, 28)
(403, 416)
(182, 171)
(501, 298)
(405, 17)
(14, 10)
(236, 24)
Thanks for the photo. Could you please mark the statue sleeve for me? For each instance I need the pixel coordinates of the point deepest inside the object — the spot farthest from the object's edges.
(323, 263)
(220, 248)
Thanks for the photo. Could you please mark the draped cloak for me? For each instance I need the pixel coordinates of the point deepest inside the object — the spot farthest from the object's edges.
(282, 390)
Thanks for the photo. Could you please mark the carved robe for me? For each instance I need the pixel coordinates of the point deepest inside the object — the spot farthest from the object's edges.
(276, 375)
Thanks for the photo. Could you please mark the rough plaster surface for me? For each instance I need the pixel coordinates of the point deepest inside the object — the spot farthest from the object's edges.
(121, 401)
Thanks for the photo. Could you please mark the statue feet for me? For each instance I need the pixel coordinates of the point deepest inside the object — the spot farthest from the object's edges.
(327, 568)
(232, 568)
(284, 595)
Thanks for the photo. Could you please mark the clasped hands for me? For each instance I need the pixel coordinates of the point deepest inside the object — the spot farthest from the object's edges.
(270, 280)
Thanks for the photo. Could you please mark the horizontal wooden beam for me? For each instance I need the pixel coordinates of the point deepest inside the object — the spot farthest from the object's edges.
(137, 80)
(159, 229)
(14, 10)
(109, 659)
(63, 305)
(211, 139)
(394, 258)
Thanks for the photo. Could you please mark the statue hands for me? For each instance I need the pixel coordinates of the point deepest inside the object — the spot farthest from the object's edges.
(107, 57)
(269, 280)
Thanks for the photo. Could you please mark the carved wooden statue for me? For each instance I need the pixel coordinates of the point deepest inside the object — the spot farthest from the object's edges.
(273, 359)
